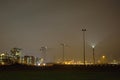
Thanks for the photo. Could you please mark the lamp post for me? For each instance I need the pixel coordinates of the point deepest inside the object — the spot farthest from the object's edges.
(93, 47)
(44, 49)
(63, 51)
(83, 30)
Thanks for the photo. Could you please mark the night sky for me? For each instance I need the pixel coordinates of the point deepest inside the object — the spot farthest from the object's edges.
(31, 24)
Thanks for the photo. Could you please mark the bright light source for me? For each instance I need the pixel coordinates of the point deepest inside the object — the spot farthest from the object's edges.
(93, 46)
(38, 64)
(2, 54)
(3, 63)
(103, 57)
(44, 64)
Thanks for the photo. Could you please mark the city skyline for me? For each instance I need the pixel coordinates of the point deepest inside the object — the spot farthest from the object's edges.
(32, 24)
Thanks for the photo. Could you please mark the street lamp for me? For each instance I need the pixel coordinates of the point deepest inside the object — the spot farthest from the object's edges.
(83, 30)
(63, 50)
(43, 50)
(93, 47)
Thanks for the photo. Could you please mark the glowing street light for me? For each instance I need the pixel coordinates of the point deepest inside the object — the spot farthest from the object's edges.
(93, 47)
(83, 30)
(103, 57)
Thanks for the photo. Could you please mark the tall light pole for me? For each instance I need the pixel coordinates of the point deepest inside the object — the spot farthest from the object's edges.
(63, 51)
(44, 49)
(83, 30)
(93, 47)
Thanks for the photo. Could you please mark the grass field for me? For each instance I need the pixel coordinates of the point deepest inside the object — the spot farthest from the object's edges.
(58, 75)
(19, 72)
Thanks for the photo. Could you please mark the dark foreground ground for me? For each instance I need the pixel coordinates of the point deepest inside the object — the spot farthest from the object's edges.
(60, 72)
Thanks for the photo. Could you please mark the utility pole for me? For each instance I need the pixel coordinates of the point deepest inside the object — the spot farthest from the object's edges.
(83, 30)
(63, 51)
(44, 49)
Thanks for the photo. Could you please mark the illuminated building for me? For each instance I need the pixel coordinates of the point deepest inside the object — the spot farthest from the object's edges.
(29, 60)
(15, 55)
(4, 59)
